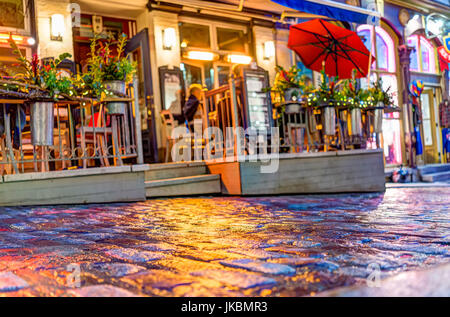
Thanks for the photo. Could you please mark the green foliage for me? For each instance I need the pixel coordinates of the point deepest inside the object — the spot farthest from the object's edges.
(292, 78)
(104, 65)
(377, 94)
(90, 83)
(43, 75)
(354, 95)
(327, 93)
(116, 66)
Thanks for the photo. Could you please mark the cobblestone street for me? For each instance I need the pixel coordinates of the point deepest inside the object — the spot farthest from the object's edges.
(222, 246)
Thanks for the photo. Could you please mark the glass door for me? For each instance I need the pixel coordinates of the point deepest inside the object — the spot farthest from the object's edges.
(193, 73)
(428, 127)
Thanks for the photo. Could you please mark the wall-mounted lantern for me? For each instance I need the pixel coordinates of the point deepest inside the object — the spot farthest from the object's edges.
(169, 38)
(57, 27)
(201, 55)
(239, 59)
(269, 49)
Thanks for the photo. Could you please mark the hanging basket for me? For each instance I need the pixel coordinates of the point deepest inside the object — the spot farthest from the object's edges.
(42, 121)
(356, 122)
(378, 118)
(312, 121)
(293, 108)
(328, 120)
(116, 107)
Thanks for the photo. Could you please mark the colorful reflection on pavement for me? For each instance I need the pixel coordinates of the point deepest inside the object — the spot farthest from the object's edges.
(222, 246)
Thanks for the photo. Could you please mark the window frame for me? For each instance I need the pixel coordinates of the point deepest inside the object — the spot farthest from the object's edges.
(392, 71)
(213, 34)
(433, 63)
(26, 31)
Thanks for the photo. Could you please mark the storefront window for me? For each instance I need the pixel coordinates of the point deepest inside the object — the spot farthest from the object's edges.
(384, 50)
(414, 57)
(231, 40)
(223, 73)
(382, 53)
(194, 35)
(423, 58)
(192, 74)
(12, 14)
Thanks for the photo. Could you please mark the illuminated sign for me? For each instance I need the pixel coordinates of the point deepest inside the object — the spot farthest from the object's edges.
(444, 54)
(447, 43)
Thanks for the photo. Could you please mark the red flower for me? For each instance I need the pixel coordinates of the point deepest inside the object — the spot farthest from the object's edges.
(35, 64)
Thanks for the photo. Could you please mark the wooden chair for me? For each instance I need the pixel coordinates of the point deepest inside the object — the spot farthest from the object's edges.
(169, 124)
(98, 127)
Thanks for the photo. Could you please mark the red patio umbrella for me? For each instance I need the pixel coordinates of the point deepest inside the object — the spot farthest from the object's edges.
(319, 42)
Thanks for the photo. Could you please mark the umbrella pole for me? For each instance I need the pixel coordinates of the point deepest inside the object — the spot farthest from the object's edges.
(372, 44)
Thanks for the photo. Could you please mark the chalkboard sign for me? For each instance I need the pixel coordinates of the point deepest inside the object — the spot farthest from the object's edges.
(257, 99)
(172, 89)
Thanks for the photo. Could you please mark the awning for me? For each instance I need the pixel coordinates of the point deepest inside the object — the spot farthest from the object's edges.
(333, 9)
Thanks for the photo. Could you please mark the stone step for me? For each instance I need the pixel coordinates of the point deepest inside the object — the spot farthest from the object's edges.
(184, 186)
(433, 168)
(174, 170)
(436, 177)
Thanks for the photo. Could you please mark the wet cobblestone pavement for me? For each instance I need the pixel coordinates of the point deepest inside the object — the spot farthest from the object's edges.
(222, 246)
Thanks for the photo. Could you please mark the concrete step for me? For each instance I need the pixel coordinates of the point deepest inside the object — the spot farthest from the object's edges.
(433, 168)
(174, 170)
(436, 177)
(184, 186)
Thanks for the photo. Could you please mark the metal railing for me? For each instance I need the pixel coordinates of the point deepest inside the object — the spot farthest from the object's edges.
(300, 127)
(41, 137)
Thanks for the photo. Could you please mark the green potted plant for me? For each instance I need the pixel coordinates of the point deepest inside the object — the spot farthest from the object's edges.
(45, 84)
(90, 83)
(291, 84)
(116, 71)
(352, 94)
(325, 97)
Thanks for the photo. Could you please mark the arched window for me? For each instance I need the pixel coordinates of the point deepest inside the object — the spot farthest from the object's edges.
(423, 58)
(381, 44)
(384, 50)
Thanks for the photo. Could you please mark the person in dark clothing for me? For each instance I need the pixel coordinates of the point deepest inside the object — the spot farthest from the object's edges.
(191, 106)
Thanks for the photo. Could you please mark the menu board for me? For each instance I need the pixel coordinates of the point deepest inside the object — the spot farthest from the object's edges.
(172, 94)
(258, 102)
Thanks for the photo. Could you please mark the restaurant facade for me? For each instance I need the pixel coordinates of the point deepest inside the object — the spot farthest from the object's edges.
(233, 50)
(203, 40)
